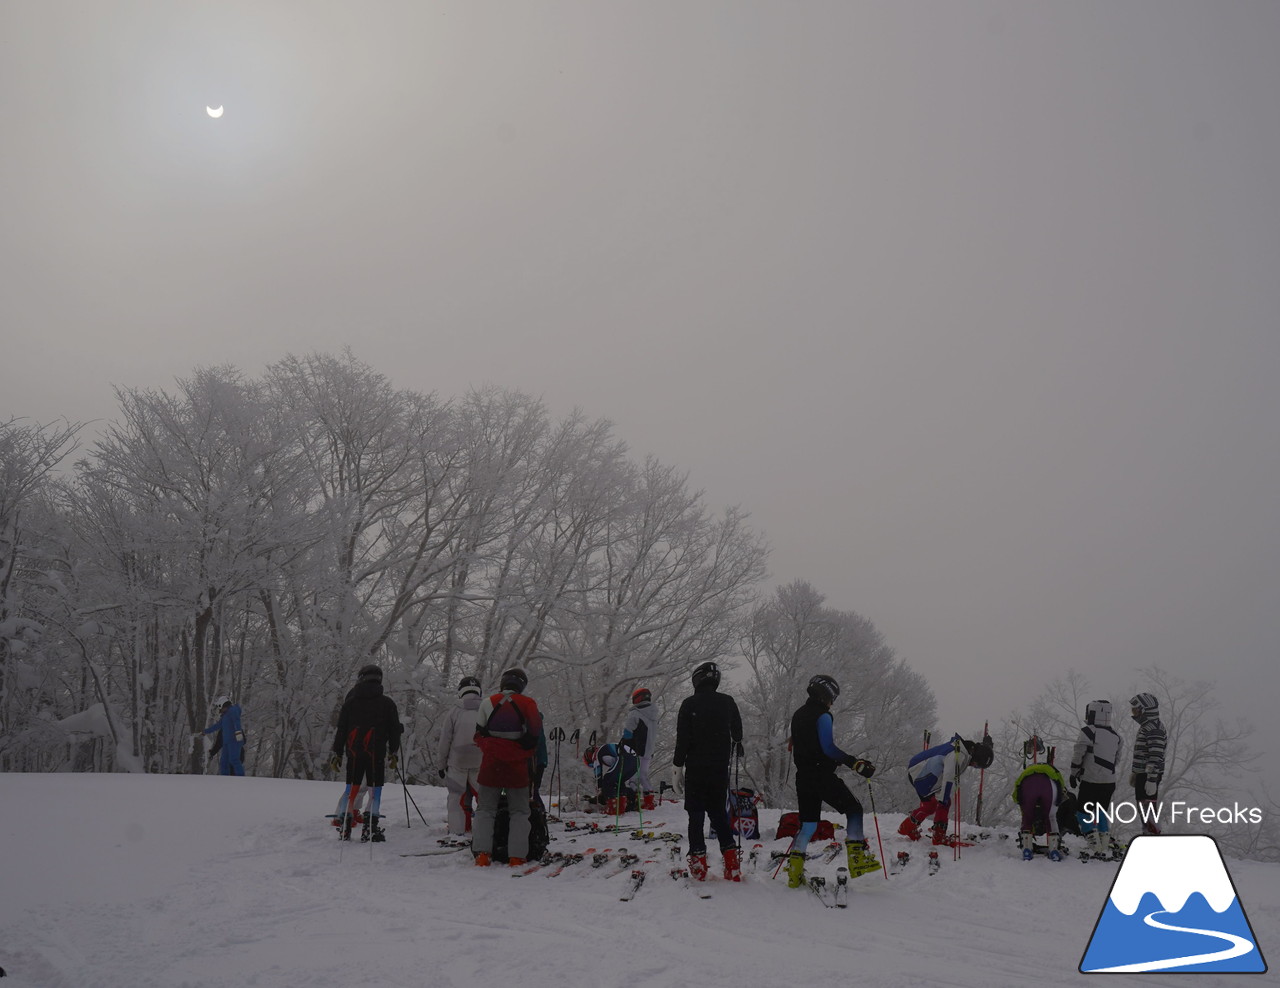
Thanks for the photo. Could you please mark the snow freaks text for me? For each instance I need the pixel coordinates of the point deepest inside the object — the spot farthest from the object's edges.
(1174, 812)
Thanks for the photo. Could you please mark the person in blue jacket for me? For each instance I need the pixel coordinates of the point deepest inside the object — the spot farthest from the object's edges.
(933, 773)
(230, 734)
(816, 755)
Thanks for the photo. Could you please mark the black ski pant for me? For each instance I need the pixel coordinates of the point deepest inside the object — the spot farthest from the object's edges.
(707, 797)
(1094, 800)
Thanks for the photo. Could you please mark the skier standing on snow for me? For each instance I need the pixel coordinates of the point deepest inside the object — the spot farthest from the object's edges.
(640, 733)
(459, 756)
(817, 757)
(708, 735)
(1148, 757)
(1093, 770)
(369, 732)
(231, 736)
(933, 772)
(509, 733)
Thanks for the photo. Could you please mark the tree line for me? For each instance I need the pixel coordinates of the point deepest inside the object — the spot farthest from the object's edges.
(264, 537)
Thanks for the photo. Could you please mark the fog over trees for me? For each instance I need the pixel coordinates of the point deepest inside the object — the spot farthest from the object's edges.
(264, 537)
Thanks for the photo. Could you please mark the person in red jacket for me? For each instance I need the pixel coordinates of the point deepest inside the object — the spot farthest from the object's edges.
(508, 730)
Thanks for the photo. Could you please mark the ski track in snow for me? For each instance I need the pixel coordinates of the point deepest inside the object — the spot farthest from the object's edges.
(193, 881)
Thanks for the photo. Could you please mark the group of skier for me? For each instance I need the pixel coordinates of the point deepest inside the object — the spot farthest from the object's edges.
(1048, 804)
(496, 745)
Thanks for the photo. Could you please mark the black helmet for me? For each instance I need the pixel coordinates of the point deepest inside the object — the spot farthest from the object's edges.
(514, 680)
(824, 689)
(981, 753)
(708, 672)
(369, 672)
(468, 684)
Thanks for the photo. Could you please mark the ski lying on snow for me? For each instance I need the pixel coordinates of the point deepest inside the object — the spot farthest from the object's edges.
(685, 880)
(899, 863)
(842, 888)
(448, 849)
(817, 884)
(633, 885)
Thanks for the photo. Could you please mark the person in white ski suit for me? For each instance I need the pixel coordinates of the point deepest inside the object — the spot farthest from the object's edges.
(1094, 762)
(640, 733)
(459, 756)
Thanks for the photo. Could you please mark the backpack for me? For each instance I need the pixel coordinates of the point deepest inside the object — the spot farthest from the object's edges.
(789, 826)
(743, 818)
(539, 833)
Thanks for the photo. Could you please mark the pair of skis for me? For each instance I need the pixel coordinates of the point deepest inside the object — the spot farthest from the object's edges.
(836, 898)
(903, 858)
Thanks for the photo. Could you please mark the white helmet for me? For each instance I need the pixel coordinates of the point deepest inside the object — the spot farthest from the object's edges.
(222, 701)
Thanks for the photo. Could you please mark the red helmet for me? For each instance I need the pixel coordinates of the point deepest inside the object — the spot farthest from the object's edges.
(589, 756)
(641, 695)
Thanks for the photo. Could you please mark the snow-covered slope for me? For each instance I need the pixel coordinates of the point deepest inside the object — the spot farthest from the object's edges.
(128, 881)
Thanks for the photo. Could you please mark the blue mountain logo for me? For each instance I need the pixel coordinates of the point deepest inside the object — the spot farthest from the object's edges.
(1173, 907)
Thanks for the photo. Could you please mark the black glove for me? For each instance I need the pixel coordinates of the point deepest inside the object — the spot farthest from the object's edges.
(737, 749)
(626, 749)
(393, 762)
(442, 773)
(863, 767)
(335, 762)
(1073, 782)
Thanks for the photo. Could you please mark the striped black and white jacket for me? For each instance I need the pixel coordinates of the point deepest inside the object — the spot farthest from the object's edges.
(1148, 749)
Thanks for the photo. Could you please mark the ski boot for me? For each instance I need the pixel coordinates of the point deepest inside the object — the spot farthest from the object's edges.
(698, 867)
(648, 802)
(344, 827)
(795, 870)
(376, 833)
(909, 829)
(1055, 846)
(482, 860)
(732, 866)
(939, 836)
(861, 860)
(1027, 842)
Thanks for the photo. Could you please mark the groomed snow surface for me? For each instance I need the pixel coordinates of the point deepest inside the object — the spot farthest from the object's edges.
(132, 881)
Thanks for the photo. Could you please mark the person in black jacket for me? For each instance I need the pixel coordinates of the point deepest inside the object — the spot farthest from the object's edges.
(708, 734)
(368, 729)
(814, 750)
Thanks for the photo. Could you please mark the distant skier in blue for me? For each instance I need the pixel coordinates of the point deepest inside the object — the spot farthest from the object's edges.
(231, 734)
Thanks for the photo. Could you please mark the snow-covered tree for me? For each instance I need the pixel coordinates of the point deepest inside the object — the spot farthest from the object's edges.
(883, 705)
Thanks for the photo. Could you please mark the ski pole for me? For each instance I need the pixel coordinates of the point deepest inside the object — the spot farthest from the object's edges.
(617, 820)
(871, 795)
(783, 859)
(982, 776)
(737, 784)
(409, 797)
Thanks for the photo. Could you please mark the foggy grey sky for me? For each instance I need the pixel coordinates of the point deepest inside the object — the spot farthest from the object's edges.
(974, 306)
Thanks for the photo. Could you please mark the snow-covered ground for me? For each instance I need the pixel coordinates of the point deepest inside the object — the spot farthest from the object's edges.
(128, 881)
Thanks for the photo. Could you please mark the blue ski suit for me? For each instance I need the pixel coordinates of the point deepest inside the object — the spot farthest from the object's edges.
(231, 761)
